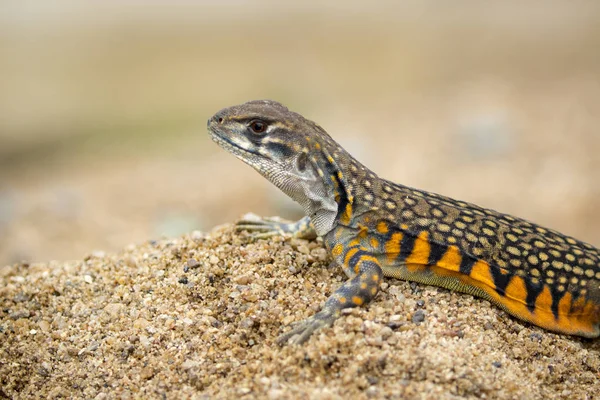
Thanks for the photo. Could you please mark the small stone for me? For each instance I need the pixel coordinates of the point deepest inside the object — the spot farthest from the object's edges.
(189, 364)
(183, 280)
(144, 341)
(20, 314)
(517, 352)
(243, 391)
(147, 373)
(192, 263)
(373, 380)
(303, 249)
(400, 298)
(72, 351)
(213, 259)
(536, 336)
(395, 325)
(98, 254)
(418, 316)
(265, 381)
(140, 323)
(243, 279)
(374, 341)
(114, 309)
(386, 332)
(151, 329)
(93, 346)
(247, 323)
(44, 325)
(20, 297)
(131, 262)
(88, 279)
(169, 323)
(127, 351)
(320, 254)
(197, 235)
(371, 391)
(392, 340)
(497, 364)
(275, 394)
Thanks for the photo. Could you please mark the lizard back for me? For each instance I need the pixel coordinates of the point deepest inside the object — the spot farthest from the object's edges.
(532, 272)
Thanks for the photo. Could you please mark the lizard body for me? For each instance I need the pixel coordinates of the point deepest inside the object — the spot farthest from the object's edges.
(375, 228)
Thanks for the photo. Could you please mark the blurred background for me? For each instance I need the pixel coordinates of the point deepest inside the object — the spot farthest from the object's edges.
(103, 109)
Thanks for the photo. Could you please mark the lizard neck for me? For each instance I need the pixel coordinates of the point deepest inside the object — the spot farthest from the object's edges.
(341, 175)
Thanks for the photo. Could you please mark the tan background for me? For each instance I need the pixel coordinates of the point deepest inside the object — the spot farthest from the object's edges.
(103, 109)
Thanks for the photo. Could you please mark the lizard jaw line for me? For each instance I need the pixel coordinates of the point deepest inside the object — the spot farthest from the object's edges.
(226, 143)
(241, 152)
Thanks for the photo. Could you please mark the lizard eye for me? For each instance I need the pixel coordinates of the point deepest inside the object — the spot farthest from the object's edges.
(258, 126)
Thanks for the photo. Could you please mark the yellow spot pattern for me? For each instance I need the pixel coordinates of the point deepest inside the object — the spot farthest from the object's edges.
(374, 242)
(357, 300)
(382, 227)
(337, 250)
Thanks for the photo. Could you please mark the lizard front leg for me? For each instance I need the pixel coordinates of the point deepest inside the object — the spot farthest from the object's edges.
(365, 276)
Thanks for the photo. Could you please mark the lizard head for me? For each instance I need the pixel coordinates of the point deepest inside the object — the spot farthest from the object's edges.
(275, 142)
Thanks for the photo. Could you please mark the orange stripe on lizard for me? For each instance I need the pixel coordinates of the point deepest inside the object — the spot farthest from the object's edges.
(392, 246)
(451, 259)
(421, 250)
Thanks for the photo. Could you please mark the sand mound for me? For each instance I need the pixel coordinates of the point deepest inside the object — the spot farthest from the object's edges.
(198, 316)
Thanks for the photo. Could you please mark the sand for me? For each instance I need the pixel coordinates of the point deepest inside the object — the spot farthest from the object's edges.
(197, 317)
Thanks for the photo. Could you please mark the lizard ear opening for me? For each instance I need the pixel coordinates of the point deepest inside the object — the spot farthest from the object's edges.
(301, 162)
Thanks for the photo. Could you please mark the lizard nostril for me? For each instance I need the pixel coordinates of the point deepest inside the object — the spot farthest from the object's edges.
(220, 120)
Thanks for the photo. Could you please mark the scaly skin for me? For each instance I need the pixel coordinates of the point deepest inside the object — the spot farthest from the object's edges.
(375, 228)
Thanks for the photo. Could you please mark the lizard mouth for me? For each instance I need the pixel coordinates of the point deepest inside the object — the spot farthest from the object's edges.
(223, 141)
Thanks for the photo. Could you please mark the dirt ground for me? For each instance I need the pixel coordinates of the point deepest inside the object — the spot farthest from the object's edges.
(197, 317)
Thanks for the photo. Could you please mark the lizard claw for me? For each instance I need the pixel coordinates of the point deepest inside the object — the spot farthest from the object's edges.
(302, 331)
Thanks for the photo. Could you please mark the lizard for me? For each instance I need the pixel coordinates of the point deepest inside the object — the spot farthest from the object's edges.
(374, 228)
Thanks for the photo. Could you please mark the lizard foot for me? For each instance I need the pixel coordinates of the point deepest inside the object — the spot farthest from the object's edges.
(302, 330)
(262, 228)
